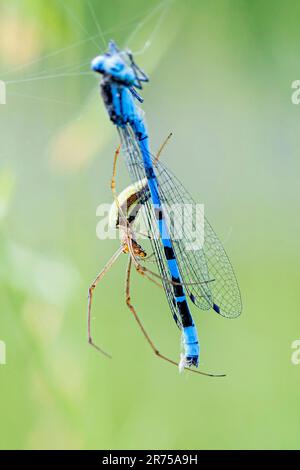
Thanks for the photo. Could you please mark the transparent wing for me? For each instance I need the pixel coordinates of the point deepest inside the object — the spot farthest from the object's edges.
(203, 263)
(200, 254)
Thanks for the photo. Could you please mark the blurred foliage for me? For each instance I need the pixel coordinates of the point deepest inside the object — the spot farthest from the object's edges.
(221, 75)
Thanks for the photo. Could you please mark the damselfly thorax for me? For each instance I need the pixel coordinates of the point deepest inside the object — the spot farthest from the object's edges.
(123, 214)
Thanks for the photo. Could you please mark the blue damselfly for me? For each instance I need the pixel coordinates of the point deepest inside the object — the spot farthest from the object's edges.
(204, 273)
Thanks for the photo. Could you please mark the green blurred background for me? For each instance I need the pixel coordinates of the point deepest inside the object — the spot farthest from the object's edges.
(221, 75)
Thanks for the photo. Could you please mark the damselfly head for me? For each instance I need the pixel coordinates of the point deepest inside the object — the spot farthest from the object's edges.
(120, 66)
